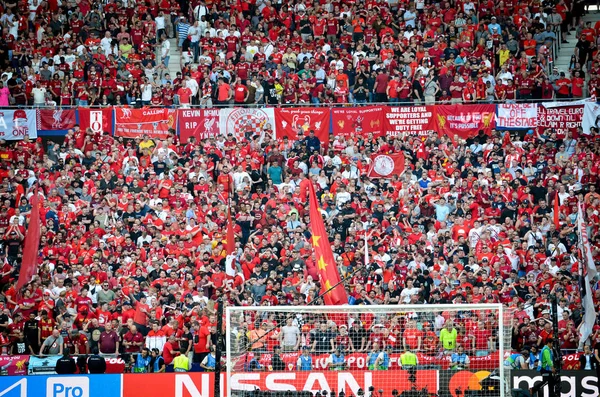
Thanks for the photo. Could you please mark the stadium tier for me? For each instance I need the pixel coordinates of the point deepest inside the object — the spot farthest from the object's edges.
(288, 198)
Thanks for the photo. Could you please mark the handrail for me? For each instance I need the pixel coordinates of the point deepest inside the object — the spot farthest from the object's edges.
(295, 105)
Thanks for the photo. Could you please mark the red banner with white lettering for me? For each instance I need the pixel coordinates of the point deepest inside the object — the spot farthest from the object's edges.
(356, 361)
(408, 120)
(133, 123)
(198, 123)
(559, 118)
(290, 121)
(99, 120)
(55, 119)
(465, 120)
(358, 121)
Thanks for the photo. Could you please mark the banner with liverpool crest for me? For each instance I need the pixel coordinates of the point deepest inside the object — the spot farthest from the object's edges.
(465, 120)
(351, 122)
(290, 121)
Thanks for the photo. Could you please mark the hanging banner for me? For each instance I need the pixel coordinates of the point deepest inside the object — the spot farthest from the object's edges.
(290, 121)
(560, 118)
(198, 123)
(133, 123)
(408, 120)
(16, 124)
(358, 121)
(591, 117)
(244, 123)
(517, 116)
(465, 120)
(99, 120)
(14, 365)
(55, 121)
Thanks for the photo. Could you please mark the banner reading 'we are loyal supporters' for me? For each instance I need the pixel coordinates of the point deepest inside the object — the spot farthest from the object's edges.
(133, 123)
(409, 120)
(350, 122)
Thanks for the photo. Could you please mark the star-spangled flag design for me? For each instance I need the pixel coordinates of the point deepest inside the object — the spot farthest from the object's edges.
(328, 271)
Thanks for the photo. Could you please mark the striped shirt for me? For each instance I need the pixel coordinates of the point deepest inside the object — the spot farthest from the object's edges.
(182, 30)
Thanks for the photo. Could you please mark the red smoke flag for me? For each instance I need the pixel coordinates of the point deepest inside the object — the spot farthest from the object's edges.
(32, 243)
(386, 165)
(556, 211)
(326, 266)
(230, 268)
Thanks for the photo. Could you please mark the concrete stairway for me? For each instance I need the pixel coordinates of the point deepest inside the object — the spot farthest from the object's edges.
(563, 59)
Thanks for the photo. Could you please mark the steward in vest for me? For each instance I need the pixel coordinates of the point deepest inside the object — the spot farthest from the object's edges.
(157, 363)
(408, 360)
(305, 360)
(517, 360)
(141, 361)
(547, 370)
(210, 361)
(181, 363)
(337, 360)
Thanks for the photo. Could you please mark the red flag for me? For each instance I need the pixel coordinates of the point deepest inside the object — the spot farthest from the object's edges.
(32, 243)
(99, 120)
(326, 266)
(386, 165)
(230, 249)
(556, 211)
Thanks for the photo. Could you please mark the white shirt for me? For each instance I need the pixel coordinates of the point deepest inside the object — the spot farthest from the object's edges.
(160, 22)
(165, 49)
(39, 95)
(146, 92)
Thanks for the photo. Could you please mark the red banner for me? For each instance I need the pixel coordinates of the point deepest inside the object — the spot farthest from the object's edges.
(201, 384)
(133, 123)
(289, 121)
(358, 361)
(465, 120)
(14, 365)
(560, 118)
(99, 120)
(55, 119)
(198, 123)
(358, 121)
(409, 120)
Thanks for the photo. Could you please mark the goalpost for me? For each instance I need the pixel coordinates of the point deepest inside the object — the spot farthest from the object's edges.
(375, 351)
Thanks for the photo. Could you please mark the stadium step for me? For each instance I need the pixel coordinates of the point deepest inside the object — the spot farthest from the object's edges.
(567, 49)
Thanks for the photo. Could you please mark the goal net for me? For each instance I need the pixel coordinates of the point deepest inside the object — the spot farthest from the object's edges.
(372, 351)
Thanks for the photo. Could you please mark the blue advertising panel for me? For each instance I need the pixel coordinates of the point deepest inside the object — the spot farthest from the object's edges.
(60, 386)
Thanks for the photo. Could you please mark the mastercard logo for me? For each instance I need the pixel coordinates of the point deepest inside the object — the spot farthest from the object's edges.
(466, 380)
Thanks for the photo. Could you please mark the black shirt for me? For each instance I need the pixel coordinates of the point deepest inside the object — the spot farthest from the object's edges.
(323, 339)
(65, 366)
(96, 364)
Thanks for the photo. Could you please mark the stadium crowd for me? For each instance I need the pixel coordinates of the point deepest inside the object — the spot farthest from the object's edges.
(118, 52)
(133, 254)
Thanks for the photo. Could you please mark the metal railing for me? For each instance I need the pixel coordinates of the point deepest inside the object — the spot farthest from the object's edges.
(296, 105)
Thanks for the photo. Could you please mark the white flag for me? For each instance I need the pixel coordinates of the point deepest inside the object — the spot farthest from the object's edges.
(588, 267)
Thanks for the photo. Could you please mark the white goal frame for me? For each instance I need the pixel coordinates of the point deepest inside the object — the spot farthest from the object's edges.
(498, 307)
